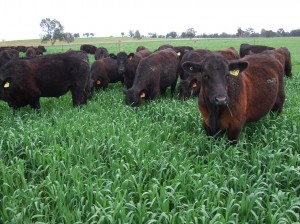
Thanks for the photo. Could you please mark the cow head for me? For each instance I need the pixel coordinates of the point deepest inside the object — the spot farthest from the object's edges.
(134, 97)
(11, 93)
(101, 53)
(214, 72)
(122, 61)
(189, 87)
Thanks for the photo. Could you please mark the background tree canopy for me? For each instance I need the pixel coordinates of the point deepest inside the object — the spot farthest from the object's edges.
(54, 31)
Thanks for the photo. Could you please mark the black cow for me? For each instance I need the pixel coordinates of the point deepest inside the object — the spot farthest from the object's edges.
(181, 50)
(154, 74)
(246, 49)
(189, 86)
(101, 52)
(88, 48)
(127, 64)
(21, 48)
(40, 50)
(7, 55)
(24, 80)
(105, 71)
(237, 91)
(30, 52)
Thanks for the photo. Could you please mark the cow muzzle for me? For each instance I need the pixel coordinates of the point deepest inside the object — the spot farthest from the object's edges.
(221, 100)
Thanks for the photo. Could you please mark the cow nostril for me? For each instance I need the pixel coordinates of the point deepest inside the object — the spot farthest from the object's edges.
(222, 100)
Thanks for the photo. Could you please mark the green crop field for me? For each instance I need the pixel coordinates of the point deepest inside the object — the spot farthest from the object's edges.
(109, 163)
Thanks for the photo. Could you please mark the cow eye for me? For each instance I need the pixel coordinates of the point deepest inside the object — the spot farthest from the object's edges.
(227, 76)
(205, 76)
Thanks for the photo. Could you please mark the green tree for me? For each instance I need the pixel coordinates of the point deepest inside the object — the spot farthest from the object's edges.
(184, 35)
(172, 34)
(240, 32)
(295, 33)
(54, 30)
(152, 35)
(68, 37)
(131, 34)
(137, 35)
(191, 33)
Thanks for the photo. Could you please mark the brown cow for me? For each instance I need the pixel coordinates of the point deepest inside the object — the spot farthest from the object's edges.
(24, 80)
(154, 74)
(238, 91)
(283, 55)
(139, 48)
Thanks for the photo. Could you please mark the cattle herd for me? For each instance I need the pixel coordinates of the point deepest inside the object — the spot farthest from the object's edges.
(232, 87)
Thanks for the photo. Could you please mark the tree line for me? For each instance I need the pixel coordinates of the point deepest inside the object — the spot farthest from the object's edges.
(249, 32)
(55, 31)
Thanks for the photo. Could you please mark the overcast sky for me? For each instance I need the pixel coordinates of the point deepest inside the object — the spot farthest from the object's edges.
(20, 19)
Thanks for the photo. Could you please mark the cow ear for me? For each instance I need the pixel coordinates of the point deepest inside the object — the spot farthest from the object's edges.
(236, 67)
(191, 67)
(113, 56)
(130, 56)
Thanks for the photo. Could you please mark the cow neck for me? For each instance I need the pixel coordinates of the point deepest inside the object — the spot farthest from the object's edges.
(213, 113)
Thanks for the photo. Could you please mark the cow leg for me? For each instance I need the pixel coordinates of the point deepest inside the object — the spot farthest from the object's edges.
(35, 103)
(173, 87)
(78, 95)
(34, 100)
(207, 129)
(163, 91)
(234, 133)
(278, 106)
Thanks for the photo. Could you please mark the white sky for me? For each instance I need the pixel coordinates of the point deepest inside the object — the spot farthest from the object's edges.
(20, 19)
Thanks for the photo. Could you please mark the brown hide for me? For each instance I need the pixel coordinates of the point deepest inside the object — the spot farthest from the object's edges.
(227, 102)
(283, 55)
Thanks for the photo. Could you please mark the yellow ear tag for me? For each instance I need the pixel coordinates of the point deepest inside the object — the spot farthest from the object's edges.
(234, 72)
(142, 95)
(194, 85)
(6, 85)
(98, 82)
